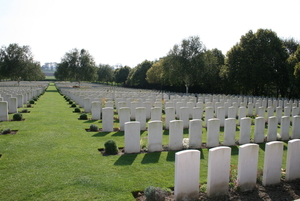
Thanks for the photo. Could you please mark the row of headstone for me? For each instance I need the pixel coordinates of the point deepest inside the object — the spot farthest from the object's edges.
(155, 130)
(12, 98)
(187, 168)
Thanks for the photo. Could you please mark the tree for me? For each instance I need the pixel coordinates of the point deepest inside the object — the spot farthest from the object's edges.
(105, 73)
(17, 63)
(257, 64)
(137, 76)
(154, 74)
(291, 45)
(34, 72)
(121, 74)
(75, 65)
(213, 60)
(184, 62)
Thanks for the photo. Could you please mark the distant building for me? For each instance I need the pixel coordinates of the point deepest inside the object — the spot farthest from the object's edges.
(50, 66)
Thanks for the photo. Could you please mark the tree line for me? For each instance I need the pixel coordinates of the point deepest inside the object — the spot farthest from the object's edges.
(260, 64)
(17, 63)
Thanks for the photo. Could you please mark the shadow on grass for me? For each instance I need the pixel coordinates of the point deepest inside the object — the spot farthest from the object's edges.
(51, 90)
(90, 121)
(171, 156)
(151, 158)
(262, 146)
(100, 134)
(120, 133)
(126, 159)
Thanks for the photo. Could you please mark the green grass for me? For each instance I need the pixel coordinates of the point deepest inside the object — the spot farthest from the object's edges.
(52, 157)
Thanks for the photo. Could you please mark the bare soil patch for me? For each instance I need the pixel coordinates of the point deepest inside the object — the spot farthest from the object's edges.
(283, 191)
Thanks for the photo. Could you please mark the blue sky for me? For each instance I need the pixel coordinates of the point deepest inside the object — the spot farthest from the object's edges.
(128, 32)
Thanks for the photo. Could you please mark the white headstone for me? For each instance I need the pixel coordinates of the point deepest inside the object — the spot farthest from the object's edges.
(195, 133)
(218, 171)
(140, 116)
(229, 132)
(293, 160)
(175, 135)
(3, 111)
(124, 116)
(213, 132)
(154, 136)
(96, 110)
(285, 128)
(259, 129)
(247, 166)
(170, 116)
(272, 163)
(296, 127)
(107, 119)
(272, 129)
(245, 129)
(187, 170)
(132, 137)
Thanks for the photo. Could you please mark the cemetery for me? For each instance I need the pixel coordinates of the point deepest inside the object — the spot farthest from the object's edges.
(206, 145)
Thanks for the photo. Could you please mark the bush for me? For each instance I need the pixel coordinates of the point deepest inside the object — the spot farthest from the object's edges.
(111, 147)
(156, 194)
(28, 105)
(31, 101)
(150, 192)
(70, 102)
(94, 127)
(73, 105)
(6, 131)
(24, 111)
(17, 117)
(83, 117)
(77, 110)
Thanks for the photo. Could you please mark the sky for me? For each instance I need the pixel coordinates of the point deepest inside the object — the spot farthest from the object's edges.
(128, 32)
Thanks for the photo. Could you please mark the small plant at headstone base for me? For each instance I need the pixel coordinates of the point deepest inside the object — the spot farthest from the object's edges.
(31, 101)
(77, 110)
(34, 99)
(156, 194)
(94, 127)
(111, 147)
(143, 144)
(73, 105)
(28, 105)
(83, 117)
(233, 177)
(24, 111)
(70, 102)
(259, 175)
(203, 187)
(17, 117)
(6, 131)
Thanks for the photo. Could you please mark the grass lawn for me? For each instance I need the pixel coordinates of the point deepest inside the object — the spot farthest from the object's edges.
(52, 157)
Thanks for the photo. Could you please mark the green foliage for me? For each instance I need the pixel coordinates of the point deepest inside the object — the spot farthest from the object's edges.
(6, 131)
(77, 65)
(258, 62)
(83, 116)
(121, 74)
(17, 117)
(77, 109)
(31, 101)
(184, 62)
(149, 192)
(24, 110)
(73, 105)
(111, 147)
(94, 127)
(105, 73)
(70, 102)
(137, 76)
(17, 63)
(156, 194)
